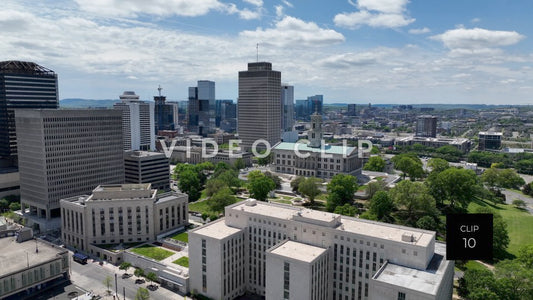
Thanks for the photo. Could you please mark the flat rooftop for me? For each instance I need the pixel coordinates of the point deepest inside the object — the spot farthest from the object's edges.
(143, 154)
(123, 187)
(297, 251)
(425, 281)
(329, 149)
(16, 256)
(358, 226)
(217, 230)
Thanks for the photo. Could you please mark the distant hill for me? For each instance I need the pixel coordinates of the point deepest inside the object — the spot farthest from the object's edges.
(86, 103)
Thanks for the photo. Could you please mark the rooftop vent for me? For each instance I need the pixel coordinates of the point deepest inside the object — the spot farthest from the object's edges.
(251, 202)
(407, 237)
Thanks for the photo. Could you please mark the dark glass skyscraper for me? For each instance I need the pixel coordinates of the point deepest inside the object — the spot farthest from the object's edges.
(22, 85)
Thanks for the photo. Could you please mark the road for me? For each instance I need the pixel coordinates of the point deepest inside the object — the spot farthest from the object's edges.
(512, 195)
(90, 277)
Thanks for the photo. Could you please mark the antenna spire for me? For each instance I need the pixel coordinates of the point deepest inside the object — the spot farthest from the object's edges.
(159, 89)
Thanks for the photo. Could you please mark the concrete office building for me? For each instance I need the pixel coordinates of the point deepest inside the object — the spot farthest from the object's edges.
(201, 110)
(315, 158)
(63, 153)
(123, 213)
(351, 110)
(462, 144)
(259, 105)
(137, 122)
(489, 140)
(147, 167)
(286, 252)
(287, 107)
(426, 126)
(22, 85)
(29, 266)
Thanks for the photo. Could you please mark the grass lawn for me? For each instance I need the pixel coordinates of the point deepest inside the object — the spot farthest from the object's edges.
(519, 223)
(152, 252)
(184, 237)
(182, 261)
(200, 206)
(203, 194)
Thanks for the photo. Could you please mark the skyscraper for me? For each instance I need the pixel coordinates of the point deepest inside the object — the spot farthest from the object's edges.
(202, 108)
(259, 105)
(287, 107)
(65, 153)
(164, 113)
(22, 85)
(300, 109)
(426, 126)
(314, 104)
(137, 122)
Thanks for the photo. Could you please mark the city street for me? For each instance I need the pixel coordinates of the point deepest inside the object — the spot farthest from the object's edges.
(90, 277)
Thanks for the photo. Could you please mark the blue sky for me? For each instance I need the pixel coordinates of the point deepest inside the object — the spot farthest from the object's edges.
(356, 51)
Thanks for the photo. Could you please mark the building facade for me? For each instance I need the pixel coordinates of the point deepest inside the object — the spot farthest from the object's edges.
(147, 167)
(461, 144)
(22, 85)
(165, 114)
(66, 152)
(489, 140)
(126, 213)
(201, 109)
(315, 158)
(315, 104)
(285, 252)
(137, 122)
(30, 266)
(259, 105)
(426, 126)
(287, 107)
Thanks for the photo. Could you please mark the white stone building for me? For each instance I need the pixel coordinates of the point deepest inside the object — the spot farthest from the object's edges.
(285, 252)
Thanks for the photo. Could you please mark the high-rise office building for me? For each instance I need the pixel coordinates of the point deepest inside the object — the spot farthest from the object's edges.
(147, 167)
(286, 252)
(300, 109)
(63, 153)
(201, 109)
(137, 122)
(489, 140)
(259, 105)
(426, 126)
(351, 110)
(165, 113)
(287, 107)
(22, 85)
(314, 105)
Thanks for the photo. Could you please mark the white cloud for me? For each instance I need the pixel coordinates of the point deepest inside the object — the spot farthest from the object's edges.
(164, 8)
(419, 30)
(293, 31)
(257, 3)
(279, 11)
(356, 19)
(385, 6)
(287, 3)
(349, 60)
(477, 38)
(375, 13)
(475, 20)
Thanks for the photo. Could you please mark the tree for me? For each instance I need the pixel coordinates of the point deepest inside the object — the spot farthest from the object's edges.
(259, 185)
(263, 161)
(374, 186)
(515, 281)
(427, 222)
(108, 282)
(409, 164)
(142, 294)
(125, 266)
(213, 185)
(490, 177)
(475, 281)
(138, 272)
(239, 164)
(414, 199)
(346, 210)
(151, 277)
(375, 163)
(275, 178)
(438, 165)
(519, 203)
(499, 231)
(221, 199)
(381, 205)
(309, 188)
(510, 179)
(4, 204)
(295, 183)
(189, 183)
(14, 206)
(525, 256)
(341, 190)
(455, 185)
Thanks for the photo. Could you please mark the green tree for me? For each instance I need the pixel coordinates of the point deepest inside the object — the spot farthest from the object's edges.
(346, 210)
(438, 165)
(341, 190)
(414, 199)
(125, 266)
(221, 167)
(381, 205)
(4, 205)
(525, 256)
(260, 185)
(510, 179)
(142, 294)
(214, 185)
(374, 186)
(515, 281)
(427, 222)
(138, 272)
(519, 203)
(295, 183)
(499, 231)
(409, 164)
(490, 177)
(375, 150)
(221, 199)
(108, 283)
(477, 283)
(309, 188)
(14, 206)
(151, 277)
(189, 183)
(375, 163)
(263, 161)
(455, 185)
(275, 178)
(239, 164)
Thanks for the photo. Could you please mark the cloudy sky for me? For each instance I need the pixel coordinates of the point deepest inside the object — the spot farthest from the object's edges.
(355, 51)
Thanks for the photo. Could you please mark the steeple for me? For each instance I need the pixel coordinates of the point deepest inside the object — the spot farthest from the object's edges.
(315, 134)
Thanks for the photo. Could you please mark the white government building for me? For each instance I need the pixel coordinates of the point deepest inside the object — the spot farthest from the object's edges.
(285, 252)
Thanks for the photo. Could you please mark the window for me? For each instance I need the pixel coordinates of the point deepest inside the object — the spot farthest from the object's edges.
(401, 296)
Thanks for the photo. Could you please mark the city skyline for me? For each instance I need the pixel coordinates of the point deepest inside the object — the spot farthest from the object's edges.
(360, 51)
